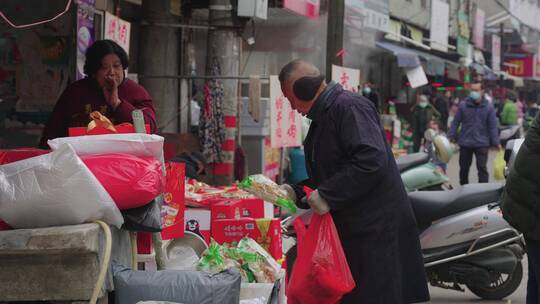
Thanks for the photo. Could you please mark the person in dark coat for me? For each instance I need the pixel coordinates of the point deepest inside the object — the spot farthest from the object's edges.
(520, 205)
(370, 94)
(352, 168)
(195, 163)
(423, 112)
(478, 123)
(442, 105)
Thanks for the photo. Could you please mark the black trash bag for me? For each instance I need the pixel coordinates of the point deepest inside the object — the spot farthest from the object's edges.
(146, 218)
(187, 287)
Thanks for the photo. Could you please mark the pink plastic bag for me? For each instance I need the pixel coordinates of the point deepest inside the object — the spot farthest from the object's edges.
(4, 226)
(131, 181)
(321, 273)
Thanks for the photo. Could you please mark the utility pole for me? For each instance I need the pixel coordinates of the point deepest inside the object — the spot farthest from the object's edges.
(223, 47)
(334, 35)
(159, 56)
(502, 45)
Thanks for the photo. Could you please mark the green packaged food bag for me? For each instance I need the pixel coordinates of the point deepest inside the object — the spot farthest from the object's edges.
(263, 187)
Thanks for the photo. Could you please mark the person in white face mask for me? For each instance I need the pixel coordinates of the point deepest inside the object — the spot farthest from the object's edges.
(423, 112)
(478, 132)
(370, 94)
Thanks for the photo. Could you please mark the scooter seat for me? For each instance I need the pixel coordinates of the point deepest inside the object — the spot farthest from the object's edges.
(411, 160)
(430, 206)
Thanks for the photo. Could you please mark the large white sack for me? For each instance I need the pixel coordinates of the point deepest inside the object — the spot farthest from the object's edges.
(52, 190)
(137, 144)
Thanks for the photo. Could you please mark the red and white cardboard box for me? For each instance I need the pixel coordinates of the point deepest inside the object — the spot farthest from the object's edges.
(172, 211)
(144, 243)
(266, 232)
(238, 208)
(197, 220)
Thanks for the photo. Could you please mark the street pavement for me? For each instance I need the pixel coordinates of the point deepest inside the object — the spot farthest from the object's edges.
(442, 296)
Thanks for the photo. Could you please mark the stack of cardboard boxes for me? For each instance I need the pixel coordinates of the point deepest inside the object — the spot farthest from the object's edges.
(229, 220)
(225, 220)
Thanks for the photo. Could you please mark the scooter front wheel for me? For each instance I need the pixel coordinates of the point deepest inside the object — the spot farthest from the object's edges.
(502, 286)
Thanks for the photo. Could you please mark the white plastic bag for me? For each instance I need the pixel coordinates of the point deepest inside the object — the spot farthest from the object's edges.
(136, 144)
(52, 190)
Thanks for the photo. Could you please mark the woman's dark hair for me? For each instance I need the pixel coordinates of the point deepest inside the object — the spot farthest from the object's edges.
(100, 49)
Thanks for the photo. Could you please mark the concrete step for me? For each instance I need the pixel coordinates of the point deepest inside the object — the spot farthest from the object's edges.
(49, 264)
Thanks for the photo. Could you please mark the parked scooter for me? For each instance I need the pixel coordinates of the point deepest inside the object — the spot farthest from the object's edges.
(507, 133)
(418, 170)
(464, 240)
(510, 152)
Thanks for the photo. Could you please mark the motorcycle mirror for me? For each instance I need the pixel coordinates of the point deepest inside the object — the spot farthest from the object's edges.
(430, 134)
(443, 148)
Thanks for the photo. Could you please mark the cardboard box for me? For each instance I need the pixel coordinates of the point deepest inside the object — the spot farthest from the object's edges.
(197, 220)
(172, 211)
(144, 242)
(238, 208)
(266, 232)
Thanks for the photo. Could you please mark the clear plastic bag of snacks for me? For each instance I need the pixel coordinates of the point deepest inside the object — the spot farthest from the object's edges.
(263, 187)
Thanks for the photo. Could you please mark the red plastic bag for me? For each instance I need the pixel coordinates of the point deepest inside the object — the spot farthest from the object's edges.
(131, 181)
(121, 128)
(4, 226)
(13, 155)
(321, 273)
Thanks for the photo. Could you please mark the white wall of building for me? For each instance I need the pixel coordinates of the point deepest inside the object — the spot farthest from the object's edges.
(418, 13)
(527, 11)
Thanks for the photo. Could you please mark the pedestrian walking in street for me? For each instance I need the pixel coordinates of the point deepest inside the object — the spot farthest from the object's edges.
(454, 106)
(442, 105)
(353, 170)
(520, 204)
(475, 130)
(370, 94)
(423, 113)
(509, 114)
(434, 129)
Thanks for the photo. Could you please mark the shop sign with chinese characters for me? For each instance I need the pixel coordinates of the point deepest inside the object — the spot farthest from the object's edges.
(117, 30)
(348, 78)
(537, 61)
(85, 33)
(495, 53)
(307, 8)
(285, 123)
(520, 66)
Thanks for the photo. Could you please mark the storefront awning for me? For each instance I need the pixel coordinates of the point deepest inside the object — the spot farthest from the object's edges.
(409, 58)
(518, 81)
(484, 70)
(406, 58)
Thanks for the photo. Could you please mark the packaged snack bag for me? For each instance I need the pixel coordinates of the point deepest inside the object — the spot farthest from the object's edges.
(263, 187)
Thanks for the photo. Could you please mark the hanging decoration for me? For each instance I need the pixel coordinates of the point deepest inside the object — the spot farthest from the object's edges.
(8, 21)
(211, 124)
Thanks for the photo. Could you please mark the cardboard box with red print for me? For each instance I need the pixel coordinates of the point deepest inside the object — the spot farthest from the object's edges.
(172, 211)
(238, 208)
(266, 232)
(197, 220)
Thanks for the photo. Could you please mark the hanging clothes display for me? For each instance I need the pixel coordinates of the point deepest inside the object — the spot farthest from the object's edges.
(254, 103)
(211, 123)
